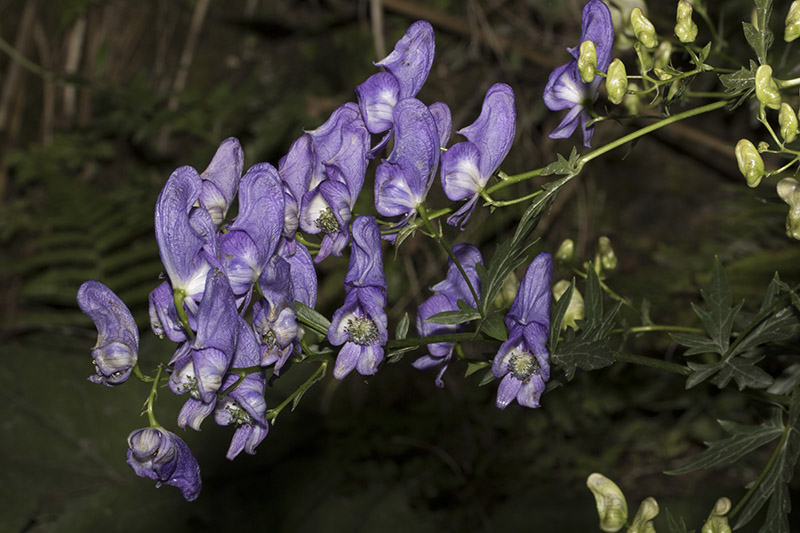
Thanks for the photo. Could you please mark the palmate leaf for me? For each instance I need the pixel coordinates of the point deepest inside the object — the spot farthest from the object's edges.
(758, 36)
(741, 83)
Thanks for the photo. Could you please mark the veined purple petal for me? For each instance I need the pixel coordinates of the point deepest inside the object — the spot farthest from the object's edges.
(349, 164)
(507, 390)
(304, 277)
(410, 61)
(296, 166)
(194, 412)
(532, 303)
(221, 179)
(117, 347)
(376, 99)
(327, 139)
(564, 89)
(366, 257)
(261, 209)
(439, 353)
(346, 360)
(416, 135)
(397, 190)
(164, 318)
(493, 131)
(370, 358)
(454, 286)
(178, 243)
(242, 261)
(161, 455)
(567, 126)
(461, 174)
(444, 121)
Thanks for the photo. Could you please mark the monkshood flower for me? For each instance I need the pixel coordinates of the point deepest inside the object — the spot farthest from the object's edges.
(407, 68)
(523, 360)
(161, 455)
(565, 90)
(402, 181)
(274, 317)
(251, 240)
(324, 172)
(449, 291)
(117, 347)
(221, 179)
(200, 365)
(467, 166)
(360, 324)
(244, 406)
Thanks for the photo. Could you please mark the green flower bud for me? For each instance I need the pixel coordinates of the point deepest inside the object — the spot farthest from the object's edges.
(767, 90)
(643, 521)
(631, 101)
(643, 29)
(565, 251)
(662, 74)
(662, 55)
(575, 308)
(644, 56)
(611, 505)
(792, 31)
(587, 61)
(685, 28)
(750, 163)
(789, 191)
(763, 146)
(616, 81)
(717, 521)
(621, 19)
(787, 118)
(606, 253)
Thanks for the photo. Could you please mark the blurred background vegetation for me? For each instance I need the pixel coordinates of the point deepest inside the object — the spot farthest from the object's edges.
(101, 99)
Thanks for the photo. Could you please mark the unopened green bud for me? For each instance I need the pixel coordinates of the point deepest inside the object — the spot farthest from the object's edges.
(643, 29)
(763, 146)
(611, 505)
(767, 90)
(750, 163)
(643, 521)
(685, 28)
(631, 101)
(792, 31)
(565, 251)
(787, 118)
(575, 308)
(662, 55)
(789, 191)
(587, 61)
(662, 74)
(621, 18)
(616, 81)
(606, 253)
(644, 56)
(717, 521)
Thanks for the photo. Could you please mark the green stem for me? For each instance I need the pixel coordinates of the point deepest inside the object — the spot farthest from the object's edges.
(273, 413)
(787, 84)
(431, 216)
(177, 296)
(646, 329)
(438, 236)
(150, 402)
(420, 341)
(652, 363)
(763, 474)
(308, 244)
(138, 373)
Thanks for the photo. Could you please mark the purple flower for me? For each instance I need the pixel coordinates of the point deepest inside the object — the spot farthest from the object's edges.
(161, 455)
(449, 291)
(274, 317)
(565, 89)
(221, 179)
(523, 360)
(117, 347)
(467, 166)
(360, 324)
(245, 406)
(402, 181)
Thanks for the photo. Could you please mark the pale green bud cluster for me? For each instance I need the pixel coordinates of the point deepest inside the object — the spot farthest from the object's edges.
(575, 307)
(611, 505)
(787, 119)
(566, 251)
(767, 90)
(717, 521)
(792, 30)
(643, 29)
(662, 55)
(685, 28)
(631, 100)
(750, 163)
(616, 81)
(789, 193)
(605, 254)
(587, 61)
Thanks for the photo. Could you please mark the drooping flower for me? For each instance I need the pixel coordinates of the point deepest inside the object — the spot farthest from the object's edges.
(523, 361)
(360, 324)
(245, 406)
(117, 347)
(565, 90)
(161, 455)
(221, 179)
(467, 166)
(449, 291)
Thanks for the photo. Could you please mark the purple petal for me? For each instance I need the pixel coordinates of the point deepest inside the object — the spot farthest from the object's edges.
(369, 360)
(164, 318)
(366, 258)
(296, 166)
(346, 360)
(461, 175)
(261, 209)
(530, 393)
(194, 412)
(596, 26)
(454, 286)
(444, 121)
(532, 303)
(493, 131)
(327, 139)
(158, 454)
(397, 190)
(564, 89)
(410, 61)
(349, 164)
(117, 347)
(568, 124)
(461, 217)
(376, 99)
(507, 390)
(221, 179)
(242, 261)
(304, 277)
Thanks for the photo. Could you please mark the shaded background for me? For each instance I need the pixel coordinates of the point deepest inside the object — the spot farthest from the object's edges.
(100, 100)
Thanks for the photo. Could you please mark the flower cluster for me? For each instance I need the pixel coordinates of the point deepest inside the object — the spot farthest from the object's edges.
(233, 287)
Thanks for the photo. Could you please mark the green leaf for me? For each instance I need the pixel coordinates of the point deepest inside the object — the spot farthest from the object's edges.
(562, 165)
(455, 317)
(305, 389)
(557, 313)
(741, 83)
(312, 318)
(701, 372)
(487, 378)
(758, 36)
(744, 372)
(673, 525)
(776, 327)
(744, 440)
(474, 366)
(494, 327)
(695, 343)
(402, 328)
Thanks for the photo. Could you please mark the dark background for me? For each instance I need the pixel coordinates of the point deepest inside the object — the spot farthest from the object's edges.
(100, 100)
